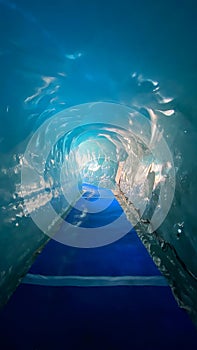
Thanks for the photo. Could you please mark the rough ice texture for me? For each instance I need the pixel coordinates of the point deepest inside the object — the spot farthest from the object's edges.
(181, 280)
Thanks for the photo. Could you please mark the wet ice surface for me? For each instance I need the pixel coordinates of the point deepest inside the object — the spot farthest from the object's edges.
(54, 59)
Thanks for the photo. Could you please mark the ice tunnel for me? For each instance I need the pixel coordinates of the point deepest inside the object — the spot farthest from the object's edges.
(97, 173)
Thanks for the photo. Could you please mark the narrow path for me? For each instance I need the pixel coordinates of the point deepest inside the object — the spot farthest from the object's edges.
(112, 297)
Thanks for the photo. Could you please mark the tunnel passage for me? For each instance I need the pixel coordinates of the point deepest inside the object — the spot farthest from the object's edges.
(111, 146)
(104, 144)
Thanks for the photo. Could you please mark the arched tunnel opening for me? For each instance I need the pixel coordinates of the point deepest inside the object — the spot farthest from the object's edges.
(107, 145)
